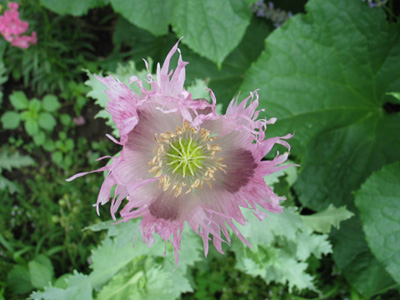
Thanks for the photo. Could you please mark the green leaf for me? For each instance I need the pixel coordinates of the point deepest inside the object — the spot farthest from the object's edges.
(114, 254)
(379, 203)
(320, 77)
(117, 260)
(49, 145)
(18, 280)
(57, 157)
(79, 288)
(225, 82)
(14, 161)
(151, 15)
(282, 244)
(73, 7)
(199, 90)
(39, 138)
(353, 257)
(324, 220)
(47, 121)
(396, 95)
(11, 186)
(34, 106)
(19, 100)
(31, 127)
(41, 271)
(289, 172)
(50, 103)
(211, 28)
(10, 120)
(65, 119)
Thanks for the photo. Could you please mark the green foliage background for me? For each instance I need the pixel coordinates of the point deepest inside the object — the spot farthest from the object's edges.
(330, 74)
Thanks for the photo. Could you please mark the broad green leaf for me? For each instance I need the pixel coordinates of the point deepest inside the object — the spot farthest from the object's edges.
(41, 271)
(72, 7)
(18, 280)
(57, 157)
(211, 28)
(325, 76)
(65, 119)
(14, 161)
(10, 120)
(356, 262)
(282, 244)
(79, 288)
(47, 121)
(34, 106)
(151, 15)
(225, 82)
(324, 220)
(378, 201)
(19, 100)
(50, 103)
(31, 127)
(39, 138)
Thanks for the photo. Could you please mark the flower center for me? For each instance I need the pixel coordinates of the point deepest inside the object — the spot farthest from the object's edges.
(185, 158)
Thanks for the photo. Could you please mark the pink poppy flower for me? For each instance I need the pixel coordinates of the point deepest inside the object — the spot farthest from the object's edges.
(181, 162)
(12, 28)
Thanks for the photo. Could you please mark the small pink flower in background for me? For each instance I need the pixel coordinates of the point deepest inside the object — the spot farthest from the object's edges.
(79, 121)
(12, 28)
(181, 162)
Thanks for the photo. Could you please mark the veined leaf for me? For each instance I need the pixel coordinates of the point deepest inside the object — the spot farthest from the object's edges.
(379, 203)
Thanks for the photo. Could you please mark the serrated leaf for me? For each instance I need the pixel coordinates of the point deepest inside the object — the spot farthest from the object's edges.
(118, 253)
(279, 241)
(79, 288)
(378, 201)
(151, 15)
(18, 280)
(324, 220)
(14, 161)
(50, 103)
(47, 121)
(10, 120)
(199, 90)
(11, 186)
(211, 28)
(19, 100)
(290, 172)
(114, 254)
(41, 271)
(320, 77)
(141, 281)
(73, 7)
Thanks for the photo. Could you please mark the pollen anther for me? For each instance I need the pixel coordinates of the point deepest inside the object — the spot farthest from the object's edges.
(185, 158)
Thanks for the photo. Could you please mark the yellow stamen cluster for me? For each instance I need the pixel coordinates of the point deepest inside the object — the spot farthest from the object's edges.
(185, 158)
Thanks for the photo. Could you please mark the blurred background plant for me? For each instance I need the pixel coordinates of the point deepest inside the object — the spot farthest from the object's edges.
(327, 69)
